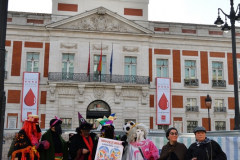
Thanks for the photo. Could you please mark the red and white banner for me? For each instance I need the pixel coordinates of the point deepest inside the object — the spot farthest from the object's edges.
(30, 92)
(163, 101)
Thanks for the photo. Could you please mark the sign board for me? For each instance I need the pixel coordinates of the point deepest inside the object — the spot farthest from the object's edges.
(163, 98)
(30, 96)
(109, 149)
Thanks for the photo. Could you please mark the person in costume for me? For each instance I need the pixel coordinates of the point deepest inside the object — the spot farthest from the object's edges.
(107, 127)
(173, 150)
(27, 144)
(83, 144)
(140, 148)
(58, 149)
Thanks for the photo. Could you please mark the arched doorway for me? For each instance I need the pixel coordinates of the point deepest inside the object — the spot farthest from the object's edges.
(97, 109)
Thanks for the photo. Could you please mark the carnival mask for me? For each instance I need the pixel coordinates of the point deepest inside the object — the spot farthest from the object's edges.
(140, 135)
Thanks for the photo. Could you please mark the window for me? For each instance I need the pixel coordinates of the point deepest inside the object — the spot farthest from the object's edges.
(66, 123)
(12, 122)
(130, 69)
(127, 120)
(190, 69)
(191, 125)
(191, 102)
(32, 62)
(67, 66)
(162, 68)
(217, 70)
(163, 127)
(220, 125)
(218, 102)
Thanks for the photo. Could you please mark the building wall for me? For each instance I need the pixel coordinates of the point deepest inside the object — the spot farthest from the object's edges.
(172, 41)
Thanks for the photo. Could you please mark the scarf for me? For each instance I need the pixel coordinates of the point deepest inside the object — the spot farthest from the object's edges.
(90, 146)
(207, 140)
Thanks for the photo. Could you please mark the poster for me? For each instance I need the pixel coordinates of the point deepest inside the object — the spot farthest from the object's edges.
(30, 96)
(163, 101)
(109, 149)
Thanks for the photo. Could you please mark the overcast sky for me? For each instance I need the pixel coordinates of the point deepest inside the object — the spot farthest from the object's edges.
(185, 11)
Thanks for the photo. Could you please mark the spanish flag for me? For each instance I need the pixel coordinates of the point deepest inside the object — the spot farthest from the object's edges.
(100, 62)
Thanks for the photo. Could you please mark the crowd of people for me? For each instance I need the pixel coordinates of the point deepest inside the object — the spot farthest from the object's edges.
(30, 144)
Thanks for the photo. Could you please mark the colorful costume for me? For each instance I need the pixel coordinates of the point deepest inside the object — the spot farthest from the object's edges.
(58, 149)
(27, 140)
(107, 127)
(80, 142)
(140, 148)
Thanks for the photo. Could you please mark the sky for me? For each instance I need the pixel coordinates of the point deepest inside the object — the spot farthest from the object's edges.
(183, 11)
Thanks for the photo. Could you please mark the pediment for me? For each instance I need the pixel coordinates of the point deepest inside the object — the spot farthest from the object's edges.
(100, 20)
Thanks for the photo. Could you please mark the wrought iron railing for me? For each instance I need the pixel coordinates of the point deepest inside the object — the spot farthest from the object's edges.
(220, 109)
(190, 82)
(192, 109)
(218, 83)
(5, 75)
(83, 77)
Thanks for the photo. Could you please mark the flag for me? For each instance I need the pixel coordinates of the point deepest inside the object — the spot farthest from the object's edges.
(88, 71)
(111, 61)
(100, 62)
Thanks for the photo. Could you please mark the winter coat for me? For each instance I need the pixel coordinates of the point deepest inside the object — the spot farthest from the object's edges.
(78, 143)
(208, 151)
(49, 154)
(173, 152)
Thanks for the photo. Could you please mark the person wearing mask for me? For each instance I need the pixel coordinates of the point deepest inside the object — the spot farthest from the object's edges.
(58, 149)
(83, 144)
(26, 145)
(204, 148)
(173, 150)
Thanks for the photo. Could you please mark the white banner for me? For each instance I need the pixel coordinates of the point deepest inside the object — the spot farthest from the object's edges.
(109, 149)
(30, 92)
(163, 101)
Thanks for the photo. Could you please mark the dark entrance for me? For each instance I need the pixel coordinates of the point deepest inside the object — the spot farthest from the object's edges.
(98, 109)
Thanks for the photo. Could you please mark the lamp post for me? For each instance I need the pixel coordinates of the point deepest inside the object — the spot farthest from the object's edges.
(3, 24)
(233, 17)
(208, 102)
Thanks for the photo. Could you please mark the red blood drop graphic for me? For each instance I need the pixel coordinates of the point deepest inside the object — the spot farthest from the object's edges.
(30, 98)
(163, 102)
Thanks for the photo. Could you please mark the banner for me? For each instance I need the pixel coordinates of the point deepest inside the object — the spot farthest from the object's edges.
(163, 101)
(30, 96)
(109, 149)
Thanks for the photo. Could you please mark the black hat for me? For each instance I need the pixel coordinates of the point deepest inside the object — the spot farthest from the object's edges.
(55, 122)
(168, 131)
(199, 128)
(86, 126)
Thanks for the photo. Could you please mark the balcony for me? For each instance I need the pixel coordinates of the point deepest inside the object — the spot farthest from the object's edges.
(192, 109)
(190, 82)
(5, 75)
(220, 109)
(218, 83)
(107, 78)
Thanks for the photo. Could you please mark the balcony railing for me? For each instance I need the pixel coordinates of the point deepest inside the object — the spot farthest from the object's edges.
(220, 109)
(190, 82)
(83, 77)
(192, 109)
(5, 75)
(218, 83)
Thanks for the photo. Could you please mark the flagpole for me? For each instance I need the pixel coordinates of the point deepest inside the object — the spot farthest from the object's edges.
(101, 64)
(89, 64)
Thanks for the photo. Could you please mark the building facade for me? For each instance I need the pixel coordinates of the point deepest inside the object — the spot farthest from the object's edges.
(196, 57)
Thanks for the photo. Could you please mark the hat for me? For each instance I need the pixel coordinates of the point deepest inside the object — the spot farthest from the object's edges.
(199, 128)
(55, 122)
(169, 130)
(32, 118)
(84, 125)
(107, 121)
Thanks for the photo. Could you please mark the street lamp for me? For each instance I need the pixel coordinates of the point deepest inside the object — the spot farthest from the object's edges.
(208, 102)
(233, 17)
